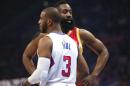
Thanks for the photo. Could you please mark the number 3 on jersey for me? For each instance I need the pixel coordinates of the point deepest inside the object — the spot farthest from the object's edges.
(66, 72)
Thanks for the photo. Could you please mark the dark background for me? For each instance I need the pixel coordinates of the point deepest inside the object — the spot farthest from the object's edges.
(108, 20)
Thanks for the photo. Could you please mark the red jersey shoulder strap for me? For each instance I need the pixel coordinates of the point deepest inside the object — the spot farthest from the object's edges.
(79, 40)
(74, 34)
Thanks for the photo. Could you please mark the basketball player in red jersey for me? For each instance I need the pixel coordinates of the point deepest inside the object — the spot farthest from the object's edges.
(77, 34)
(86, 37)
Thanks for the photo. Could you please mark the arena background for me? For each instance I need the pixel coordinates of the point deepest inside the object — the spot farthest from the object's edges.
(109, 20)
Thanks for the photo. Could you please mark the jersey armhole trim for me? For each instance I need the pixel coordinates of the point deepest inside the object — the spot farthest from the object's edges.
(79, 40)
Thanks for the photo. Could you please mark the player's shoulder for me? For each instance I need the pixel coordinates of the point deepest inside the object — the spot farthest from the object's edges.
(45, 40)
(83, 32)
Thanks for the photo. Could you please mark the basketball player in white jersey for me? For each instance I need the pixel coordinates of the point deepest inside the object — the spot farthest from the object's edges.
(57, 54)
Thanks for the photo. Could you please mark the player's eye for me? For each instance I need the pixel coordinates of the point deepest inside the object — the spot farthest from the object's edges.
(65, 11)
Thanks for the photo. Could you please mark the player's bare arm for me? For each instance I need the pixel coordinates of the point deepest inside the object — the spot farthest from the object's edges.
(99, 48)
(30, 52)
(82, 66)
(44, 54)
(45, 47)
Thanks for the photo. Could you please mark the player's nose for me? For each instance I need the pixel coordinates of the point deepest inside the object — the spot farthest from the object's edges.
(68, 14)
(69, 17)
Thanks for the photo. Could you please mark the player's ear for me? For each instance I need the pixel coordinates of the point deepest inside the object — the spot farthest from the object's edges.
(49, 22)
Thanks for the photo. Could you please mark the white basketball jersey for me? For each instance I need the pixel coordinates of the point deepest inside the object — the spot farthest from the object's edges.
(63, 66)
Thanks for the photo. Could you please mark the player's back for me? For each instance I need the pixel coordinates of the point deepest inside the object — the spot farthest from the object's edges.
(63, 61)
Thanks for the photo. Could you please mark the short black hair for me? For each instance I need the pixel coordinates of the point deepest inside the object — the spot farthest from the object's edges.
(60, 2)
(53, 13)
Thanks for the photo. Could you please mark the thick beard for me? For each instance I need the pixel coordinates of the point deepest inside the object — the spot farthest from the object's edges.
(66, 26)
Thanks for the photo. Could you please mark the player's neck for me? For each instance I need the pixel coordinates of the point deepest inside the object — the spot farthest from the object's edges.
(55, 28)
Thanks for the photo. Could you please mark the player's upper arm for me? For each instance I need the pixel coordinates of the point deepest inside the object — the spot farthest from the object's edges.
(31, 48)
(45, 47)
(91, 41)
